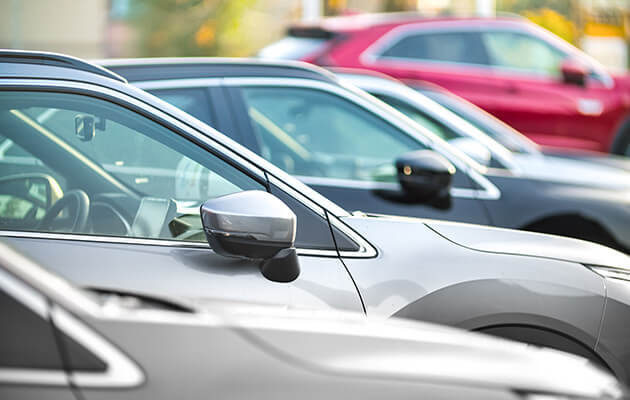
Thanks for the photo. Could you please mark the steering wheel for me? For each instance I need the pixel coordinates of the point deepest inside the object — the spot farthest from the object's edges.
(81, 202)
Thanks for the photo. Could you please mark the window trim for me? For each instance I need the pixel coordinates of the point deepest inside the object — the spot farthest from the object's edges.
(211, 144)
(120, 372)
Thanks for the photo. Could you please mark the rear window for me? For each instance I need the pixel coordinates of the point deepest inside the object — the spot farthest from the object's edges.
(293, 48)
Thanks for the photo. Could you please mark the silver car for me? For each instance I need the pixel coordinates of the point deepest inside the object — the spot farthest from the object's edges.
(58, 342)
(111, 182)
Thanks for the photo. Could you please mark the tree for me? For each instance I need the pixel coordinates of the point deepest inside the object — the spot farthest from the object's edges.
(189, 27)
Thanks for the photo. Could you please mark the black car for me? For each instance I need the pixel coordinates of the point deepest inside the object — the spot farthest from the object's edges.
(355, 150)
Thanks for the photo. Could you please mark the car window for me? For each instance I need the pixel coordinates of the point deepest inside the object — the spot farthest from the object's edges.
(522, 52)
(194, 101)
(421, 118)
(488, 124)
(135, 177)
(456, 47)
(27, 340)
(309, 132)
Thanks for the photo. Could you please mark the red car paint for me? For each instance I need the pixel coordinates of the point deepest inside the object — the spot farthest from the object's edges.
(551, 111)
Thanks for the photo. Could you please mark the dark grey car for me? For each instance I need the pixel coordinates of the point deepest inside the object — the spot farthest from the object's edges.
(107, 192)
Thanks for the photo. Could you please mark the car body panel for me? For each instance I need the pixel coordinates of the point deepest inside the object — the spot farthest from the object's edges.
(269, 352)
(184, 272)
(548, 292)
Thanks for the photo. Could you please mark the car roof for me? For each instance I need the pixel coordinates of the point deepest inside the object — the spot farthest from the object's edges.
(357, 22)
(46, 65)
(150, 69)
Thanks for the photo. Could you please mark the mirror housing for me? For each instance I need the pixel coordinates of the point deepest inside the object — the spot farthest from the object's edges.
(40, 189)
(255, 225)
(473, 149)
(573, 72)
(425, 175)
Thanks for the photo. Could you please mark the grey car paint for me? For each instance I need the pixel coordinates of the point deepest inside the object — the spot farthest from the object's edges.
(388, 274)
(268, 352)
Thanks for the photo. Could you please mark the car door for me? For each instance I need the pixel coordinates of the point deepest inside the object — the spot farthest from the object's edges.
(529, 70)
(128, 218)
(341, 149)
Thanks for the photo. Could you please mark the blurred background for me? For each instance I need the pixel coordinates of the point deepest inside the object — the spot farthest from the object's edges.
(153, 28)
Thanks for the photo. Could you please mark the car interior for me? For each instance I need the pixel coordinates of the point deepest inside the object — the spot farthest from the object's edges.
(94, 168)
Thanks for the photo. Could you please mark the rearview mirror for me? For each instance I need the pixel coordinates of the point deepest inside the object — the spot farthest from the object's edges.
(84, 127)
(425, 175)
(472, 149)
(255, 225)
(573, 72)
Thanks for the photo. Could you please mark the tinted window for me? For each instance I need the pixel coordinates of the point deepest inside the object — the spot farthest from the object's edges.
(194, 101)
(26, 339)
(313, 231)
(522, 52)
(459, 47)
(313, 133)
(146, 178)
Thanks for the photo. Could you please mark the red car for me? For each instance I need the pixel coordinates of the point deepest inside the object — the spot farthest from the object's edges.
(521, 73)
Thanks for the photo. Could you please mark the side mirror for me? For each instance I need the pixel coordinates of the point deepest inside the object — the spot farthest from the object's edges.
(573, 72)
(256, 225)
(40, 189)
(425, 175)
(473, 149)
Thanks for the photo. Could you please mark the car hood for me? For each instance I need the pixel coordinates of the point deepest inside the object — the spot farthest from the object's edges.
(509, 241)
(583, 172)
(354, 345)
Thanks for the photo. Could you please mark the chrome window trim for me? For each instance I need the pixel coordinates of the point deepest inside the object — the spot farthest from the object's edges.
(488, 192)
(120, 371)
(151, 242)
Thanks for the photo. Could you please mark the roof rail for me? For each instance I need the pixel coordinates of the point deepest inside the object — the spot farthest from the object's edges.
(57, 60)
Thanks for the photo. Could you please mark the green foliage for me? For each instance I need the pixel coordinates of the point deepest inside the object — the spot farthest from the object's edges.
(553, 15)
(189, 27)
(564, 7)
(554, 22)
